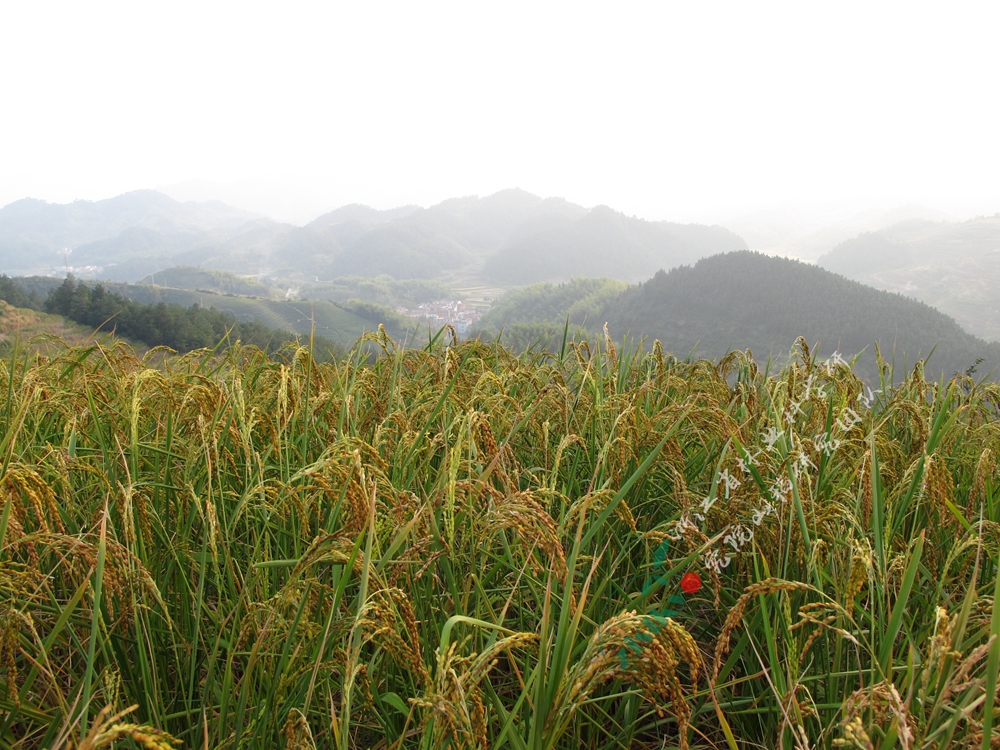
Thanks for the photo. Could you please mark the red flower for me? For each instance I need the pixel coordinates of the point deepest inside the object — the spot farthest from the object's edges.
(690, 583)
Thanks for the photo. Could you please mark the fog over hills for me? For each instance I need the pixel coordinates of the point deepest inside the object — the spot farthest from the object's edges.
(510, 237)
(954, 266)
(34, 232)
(602, 242)
(807, 232)
(361, 214)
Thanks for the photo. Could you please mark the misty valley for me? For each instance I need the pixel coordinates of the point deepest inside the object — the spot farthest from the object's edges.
(529, 270)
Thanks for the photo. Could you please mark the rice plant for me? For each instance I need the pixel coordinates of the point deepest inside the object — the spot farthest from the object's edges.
(458, 547)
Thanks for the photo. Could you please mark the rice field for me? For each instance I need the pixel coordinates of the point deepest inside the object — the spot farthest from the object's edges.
(459, 547)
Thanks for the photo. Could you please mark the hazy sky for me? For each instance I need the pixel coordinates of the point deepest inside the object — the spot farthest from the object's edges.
(686, 110)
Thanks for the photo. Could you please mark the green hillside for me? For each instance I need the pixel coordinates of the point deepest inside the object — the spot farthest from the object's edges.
(739, 301)
(193, 277)
(44, 333)
(748, 300)
(381, 290)
(332, 322)
(953, 266)
(583, 301)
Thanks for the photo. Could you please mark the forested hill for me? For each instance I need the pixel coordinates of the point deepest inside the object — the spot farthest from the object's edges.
(748, 300)
(180, 328)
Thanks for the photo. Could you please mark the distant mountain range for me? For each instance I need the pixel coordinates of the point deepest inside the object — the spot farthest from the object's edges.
(748, 300)
(601, 242)
(511, 237)
(954, 266)
(35, 233)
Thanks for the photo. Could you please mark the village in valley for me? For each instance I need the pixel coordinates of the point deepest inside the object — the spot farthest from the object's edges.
(460, 315)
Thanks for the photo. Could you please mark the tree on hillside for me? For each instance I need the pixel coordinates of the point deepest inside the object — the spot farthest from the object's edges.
(60, 299)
